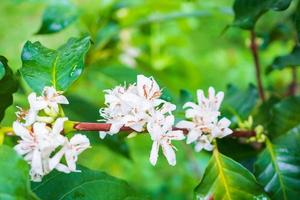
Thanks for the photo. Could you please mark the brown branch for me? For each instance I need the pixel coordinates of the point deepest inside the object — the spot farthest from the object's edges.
(88, 126)
(293, 85)
(254, 50)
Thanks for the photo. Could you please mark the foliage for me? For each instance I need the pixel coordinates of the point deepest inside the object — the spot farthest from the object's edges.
(8, 84)
(226, 179)
(84, 47)
(87, 184)
(60, 68)
(15, 179)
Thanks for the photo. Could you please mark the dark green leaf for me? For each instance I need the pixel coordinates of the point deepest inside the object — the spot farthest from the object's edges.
(185, 96)
(290, 60)
(243, 153)
(291, 139)
(296, 20)
(226, 179)
(278, 169)
(91, 113)
(8, 84)
(247, 12)
(86, 185)
(286, 115)
(60, 68)
(238, 102)
(263, 113)
(58, 16)
(14, 176)
(2, 70)
(280, 32)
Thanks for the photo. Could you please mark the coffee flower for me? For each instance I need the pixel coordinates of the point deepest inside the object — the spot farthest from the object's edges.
(160, 130)
(130, 106)
(41, 143)
(48, 102)
(139, 107)
(70, 150)
(203, 124)
(37, 144)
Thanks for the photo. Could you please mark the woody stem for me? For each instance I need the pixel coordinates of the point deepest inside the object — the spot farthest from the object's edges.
(254, 51)
(90, 126)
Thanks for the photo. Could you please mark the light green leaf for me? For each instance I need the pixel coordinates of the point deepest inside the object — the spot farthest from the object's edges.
(14, 176)
(8, 85)
(60, 68)
(278, 169)
(290, 60)
(105, 34)
(57, 16)
(86, 185)
(286, 115)
(247, 12)
(226, 179)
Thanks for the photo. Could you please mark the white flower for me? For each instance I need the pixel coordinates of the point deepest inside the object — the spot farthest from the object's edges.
(26, 117)
(221, 129)
(71, 149)
(147, 87)
(139, 107)
(204, 142)
(130, 106)
(49, 100)
(204, 126)
(36, 145)
(162, 134)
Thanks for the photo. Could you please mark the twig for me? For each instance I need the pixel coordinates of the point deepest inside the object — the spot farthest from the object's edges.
(293, 85)
(254, 51)
(88, 126)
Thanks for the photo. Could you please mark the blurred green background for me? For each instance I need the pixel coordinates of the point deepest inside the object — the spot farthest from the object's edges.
(183, 44)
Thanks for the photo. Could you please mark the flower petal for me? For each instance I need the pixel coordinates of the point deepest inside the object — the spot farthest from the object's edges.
(169, 153)
(154, 153)
(192, 136)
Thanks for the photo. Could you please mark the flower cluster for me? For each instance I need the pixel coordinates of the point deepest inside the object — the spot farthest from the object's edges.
(42, 144)
(140, 107)
(204, 125)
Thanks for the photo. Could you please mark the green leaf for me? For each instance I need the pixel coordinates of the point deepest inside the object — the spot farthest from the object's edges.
(290, 139)
(243, 153)
(247, 12)
(286, 115)
(296, 20)
(45, 67)
(290, 60)
(278, 169)
(105, 34)
(263, 113)
(226, 179)
(238, 102)
(14, 176)
(8, 84)
(2, 70)
(57, 16)
(115, 143)
(85, 185)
